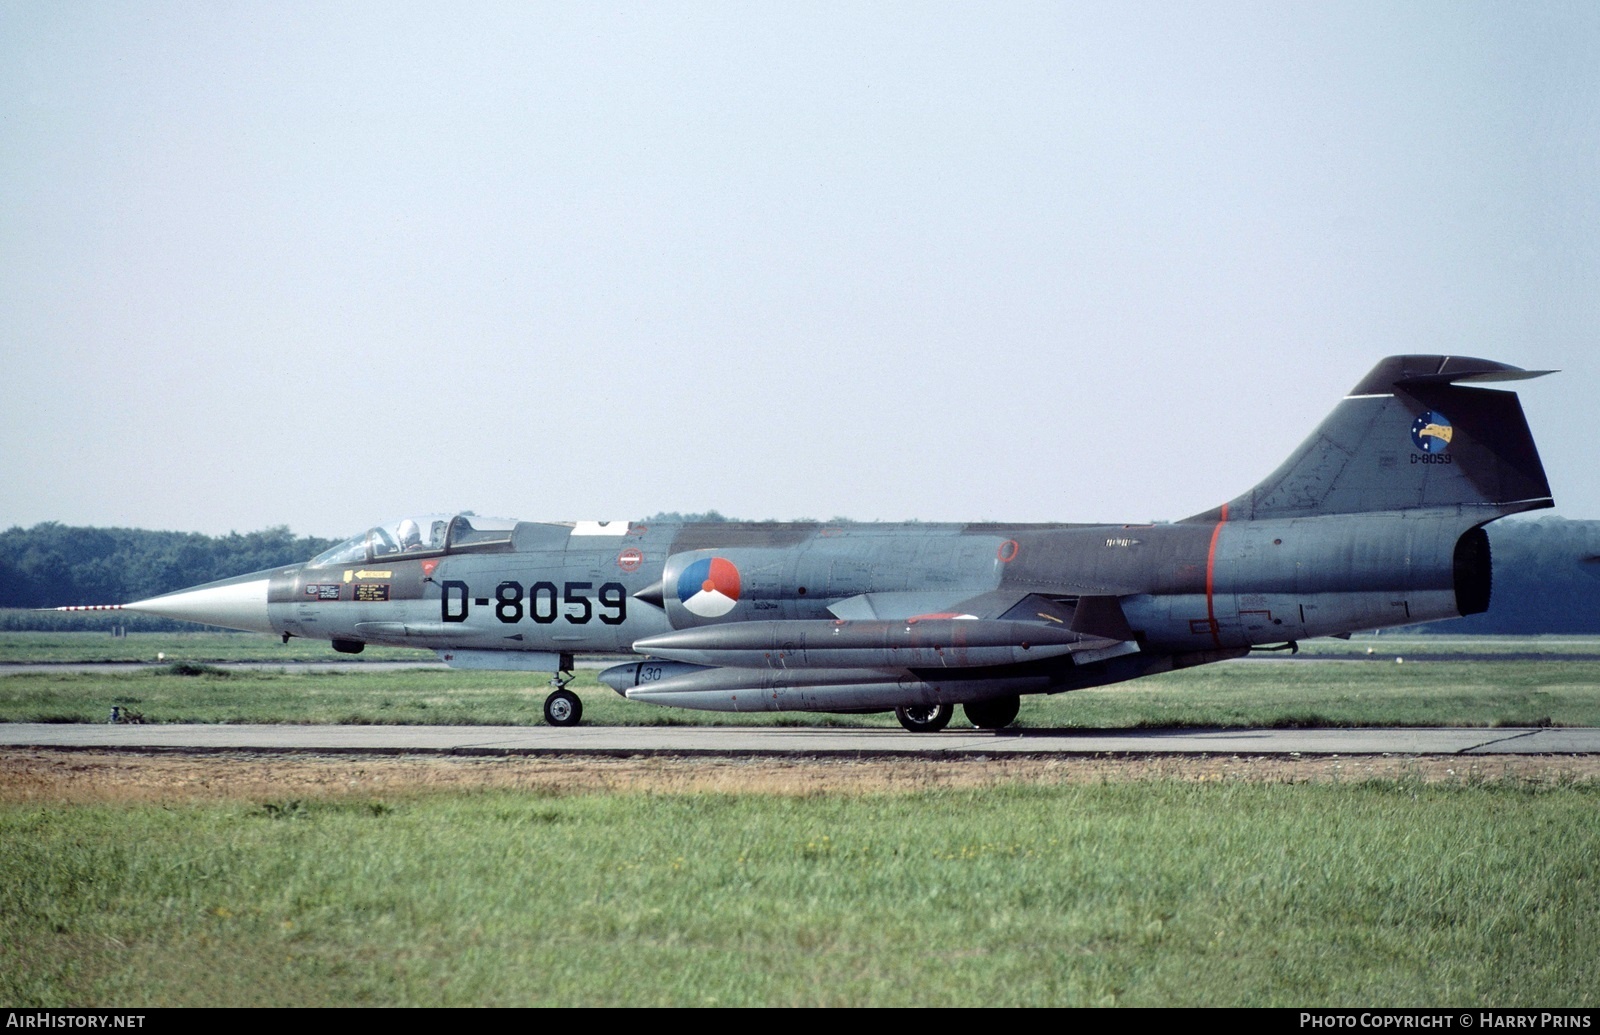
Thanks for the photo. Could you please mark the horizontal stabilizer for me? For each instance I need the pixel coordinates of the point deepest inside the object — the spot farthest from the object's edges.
(1440, 370)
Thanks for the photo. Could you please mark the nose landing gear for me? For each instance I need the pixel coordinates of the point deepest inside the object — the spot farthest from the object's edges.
(563, 707)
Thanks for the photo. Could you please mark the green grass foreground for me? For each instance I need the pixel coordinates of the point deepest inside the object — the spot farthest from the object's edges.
(215, 646)
(1249, 693)
(1517, 682)
(95, 647)
(1148, 893)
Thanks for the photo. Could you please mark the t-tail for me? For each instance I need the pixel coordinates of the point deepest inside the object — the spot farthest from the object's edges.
(1377, 519)
(1413, 435)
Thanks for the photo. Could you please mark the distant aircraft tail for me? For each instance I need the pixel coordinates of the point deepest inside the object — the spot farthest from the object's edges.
(1411, 436)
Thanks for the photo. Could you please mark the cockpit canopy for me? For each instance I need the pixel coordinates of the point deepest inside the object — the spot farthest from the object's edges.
(417, 537)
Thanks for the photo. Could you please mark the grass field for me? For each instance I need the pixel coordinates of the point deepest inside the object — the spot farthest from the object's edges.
(992, 884)
(1387, 892)
(92, 647)
(1554, 682)
(46, 647)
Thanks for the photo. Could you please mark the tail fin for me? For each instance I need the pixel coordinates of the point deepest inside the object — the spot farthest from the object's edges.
(1411, 436)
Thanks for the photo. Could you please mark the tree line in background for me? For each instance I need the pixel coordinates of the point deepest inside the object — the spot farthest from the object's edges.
(51, 565)
(1546, 572)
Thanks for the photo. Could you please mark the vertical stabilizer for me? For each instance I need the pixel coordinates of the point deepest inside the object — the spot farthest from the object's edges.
(1411, 435)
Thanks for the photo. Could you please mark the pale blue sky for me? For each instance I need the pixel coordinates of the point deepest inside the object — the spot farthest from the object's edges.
(325, 264)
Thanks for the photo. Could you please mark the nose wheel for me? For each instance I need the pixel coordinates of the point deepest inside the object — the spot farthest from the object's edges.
(563, 707)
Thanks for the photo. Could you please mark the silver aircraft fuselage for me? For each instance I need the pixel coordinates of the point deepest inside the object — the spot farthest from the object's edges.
(1376, 521)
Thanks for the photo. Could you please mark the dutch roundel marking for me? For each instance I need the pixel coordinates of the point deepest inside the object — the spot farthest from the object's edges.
(1432, 432)
(630, 559)
(1008, 551)
(710, 587)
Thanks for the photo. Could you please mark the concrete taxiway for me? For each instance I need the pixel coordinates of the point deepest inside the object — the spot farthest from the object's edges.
(778, 741)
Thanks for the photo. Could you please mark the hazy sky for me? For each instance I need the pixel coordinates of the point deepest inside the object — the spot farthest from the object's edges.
(326, 264)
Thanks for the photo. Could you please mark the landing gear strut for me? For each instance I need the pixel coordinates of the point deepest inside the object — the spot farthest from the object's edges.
(563, 707)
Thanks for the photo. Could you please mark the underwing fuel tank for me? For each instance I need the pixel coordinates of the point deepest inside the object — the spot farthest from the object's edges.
(913, 643)
(623, 678)
(820, 690)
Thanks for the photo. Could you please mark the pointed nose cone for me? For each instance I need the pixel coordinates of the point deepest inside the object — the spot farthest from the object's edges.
(239, 603)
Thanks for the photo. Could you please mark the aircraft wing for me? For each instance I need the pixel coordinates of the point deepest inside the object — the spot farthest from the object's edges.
(1093, 616)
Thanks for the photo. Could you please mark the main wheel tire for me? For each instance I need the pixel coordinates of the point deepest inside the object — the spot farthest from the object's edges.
(992, 715)
(563, 708)
(924, 718)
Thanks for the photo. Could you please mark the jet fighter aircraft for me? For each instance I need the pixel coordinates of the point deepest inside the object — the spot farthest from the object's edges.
(1375, 521)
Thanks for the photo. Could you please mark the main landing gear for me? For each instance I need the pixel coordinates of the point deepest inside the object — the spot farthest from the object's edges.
(994, 714)
(924, 718)
(563, 707)
(985, 715)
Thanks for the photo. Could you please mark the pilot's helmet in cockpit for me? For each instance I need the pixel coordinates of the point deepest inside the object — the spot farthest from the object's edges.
(410, 535)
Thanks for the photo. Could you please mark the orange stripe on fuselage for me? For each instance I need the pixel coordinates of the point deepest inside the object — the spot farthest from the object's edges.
(1211, 576)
